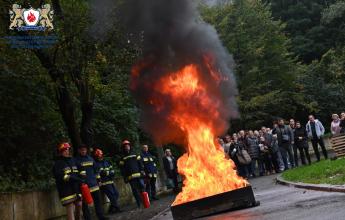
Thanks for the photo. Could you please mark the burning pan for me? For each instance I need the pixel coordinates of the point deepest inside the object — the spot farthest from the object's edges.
(235, 199)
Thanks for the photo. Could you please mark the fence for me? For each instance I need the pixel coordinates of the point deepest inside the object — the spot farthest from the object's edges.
(338, 145)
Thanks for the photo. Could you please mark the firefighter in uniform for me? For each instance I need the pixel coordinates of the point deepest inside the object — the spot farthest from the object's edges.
(67, 181)
(106, 183)
(132, 171)
(89, 172)
(150, 168)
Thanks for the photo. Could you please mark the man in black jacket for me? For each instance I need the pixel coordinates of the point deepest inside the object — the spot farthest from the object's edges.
(301, 142)
(285, 140)
(132, 170)
(68, 182)
(88, 170)
(170, 167)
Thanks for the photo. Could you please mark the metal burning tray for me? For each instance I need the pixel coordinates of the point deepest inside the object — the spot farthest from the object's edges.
(235, 199)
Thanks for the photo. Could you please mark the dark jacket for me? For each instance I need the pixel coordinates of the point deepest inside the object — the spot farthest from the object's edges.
(235, 147)
(281, 131)
(170, 172)
(67, 179)
(131, 166)
(274, 146)
(150, 166)
(253, 147)
(301, 132)
(88, 170)
(342, 126)
(106, 172)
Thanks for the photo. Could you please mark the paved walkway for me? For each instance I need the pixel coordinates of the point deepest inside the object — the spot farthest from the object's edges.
(280, 202)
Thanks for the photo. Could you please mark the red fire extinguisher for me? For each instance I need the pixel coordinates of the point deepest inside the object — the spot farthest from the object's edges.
(86, 194)
(146, 200)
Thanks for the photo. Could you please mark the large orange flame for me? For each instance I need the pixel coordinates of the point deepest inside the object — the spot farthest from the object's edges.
(205, 170)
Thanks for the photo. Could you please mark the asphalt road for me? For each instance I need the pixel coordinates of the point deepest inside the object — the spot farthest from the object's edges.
(280, 202)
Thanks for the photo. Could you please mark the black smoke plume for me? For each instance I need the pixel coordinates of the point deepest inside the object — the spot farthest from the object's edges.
(174, 36)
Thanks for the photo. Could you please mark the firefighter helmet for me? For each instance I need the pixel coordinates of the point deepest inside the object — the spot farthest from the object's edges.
(64, 146)
(125, 142)
(98, 153)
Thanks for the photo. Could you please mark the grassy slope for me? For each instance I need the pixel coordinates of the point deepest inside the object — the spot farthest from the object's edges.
(326, 171)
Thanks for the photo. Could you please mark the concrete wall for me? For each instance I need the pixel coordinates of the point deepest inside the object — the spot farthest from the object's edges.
(46, 204)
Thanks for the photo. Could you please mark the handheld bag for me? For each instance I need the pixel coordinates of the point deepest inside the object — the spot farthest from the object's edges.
(146, 200)
(86, 194)
(243, 157)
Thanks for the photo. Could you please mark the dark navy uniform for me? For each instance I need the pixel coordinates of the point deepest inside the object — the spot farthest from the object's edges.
(67, 181)
(107, 183)
(88, 170)
(150, 169)
(132, 171)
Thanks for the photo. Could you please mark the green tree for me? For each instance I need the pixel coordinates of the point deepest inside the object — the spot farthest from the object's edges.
(265, 69)
(310, 39)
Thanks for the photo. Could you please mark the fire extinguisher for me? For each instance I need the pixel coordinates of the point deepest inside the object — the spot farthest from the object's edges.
(86, 194)
(146, 200)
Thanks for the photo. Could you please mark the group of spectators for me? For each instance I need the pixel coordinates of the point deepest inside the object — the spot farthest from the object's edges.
(267, 151)
(72, 174)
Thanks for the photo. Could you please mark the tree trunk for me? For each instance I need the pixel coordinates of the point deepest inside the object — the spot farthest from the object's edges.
(63, 98)
(86, 106)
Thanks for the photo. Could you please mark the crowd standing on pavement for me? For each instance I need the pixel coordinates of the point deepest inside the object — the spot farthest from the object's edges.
(267, 151)
(259, 152)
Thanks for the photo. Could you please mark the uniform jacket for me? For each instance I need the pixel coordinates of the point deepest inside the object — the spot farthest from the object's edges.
(106, 172)
(131, 166)
(88, 170)
(150, 166)
(67, 179)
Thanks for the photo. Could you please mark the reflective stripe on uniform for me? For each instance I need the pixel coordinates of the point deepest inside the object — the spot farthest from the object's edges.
(130, 156)
(152, 175)
(155, 164)
(93, 189)
(134, 175)
(68, 199)
(67, 171)
(107, 183)
(121, 163)
(139, 157)
(66, 177)
(85, 164)
(146, 159)
(151, 159)
(83, 172)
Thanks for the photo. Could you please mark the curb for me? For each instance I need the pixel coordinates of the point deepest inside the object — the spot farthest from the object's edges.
(316, 187)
